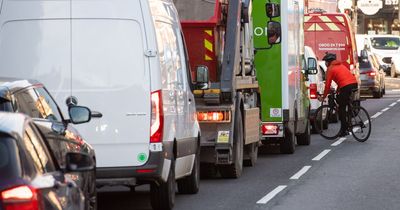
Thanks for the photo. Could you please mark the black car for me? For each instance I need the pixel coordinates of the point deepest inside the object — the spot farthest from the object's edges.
(31, 98)
(30, 177)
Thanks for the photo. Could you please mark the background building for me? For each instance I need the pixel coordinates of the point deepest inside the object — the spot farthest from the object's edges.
(384, 21)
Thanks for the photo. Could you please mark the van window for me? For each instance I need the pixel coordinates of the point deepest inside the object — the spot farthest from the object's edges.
(170, 60)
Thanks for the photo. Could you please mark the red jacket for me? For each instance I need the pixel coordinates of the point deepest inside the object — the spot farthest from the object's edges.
(340, 74)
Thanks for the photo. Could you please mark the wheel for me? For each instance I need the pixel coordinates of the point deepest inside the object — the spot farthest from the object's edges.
(287, 146)
(190, 184)
(252, 154)
(305, 138)
(234, 170)
(323, 114)
(162, 196)
(360, 124)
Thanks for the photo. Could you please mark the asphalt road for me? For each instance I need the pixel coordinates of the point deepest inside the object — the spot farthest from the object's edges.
(343, 174)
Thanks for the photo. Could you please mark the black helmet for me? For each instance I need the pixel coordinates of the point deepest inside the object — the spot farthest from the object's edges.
(329, 57)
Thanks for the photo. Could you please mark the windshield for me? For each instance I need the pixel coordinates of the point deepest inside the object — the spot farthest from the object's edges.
(385, 43)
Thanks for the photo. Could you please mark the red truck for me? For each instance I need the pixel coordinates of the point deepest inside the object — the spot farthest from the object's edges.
(219, 40)
(332, 32)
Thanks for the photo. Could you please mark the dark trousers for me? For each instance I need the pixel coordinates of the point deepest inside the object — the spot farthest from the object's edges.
(343, 99)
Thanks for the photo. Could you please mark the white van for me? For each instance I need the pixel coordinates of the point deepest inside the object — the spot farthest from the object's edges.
(126, 59)
(383, 46)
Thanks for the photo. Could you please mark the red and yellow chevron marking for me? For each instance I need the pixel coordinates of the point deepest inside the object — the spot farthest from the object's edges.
(208, 45)
(324, 23)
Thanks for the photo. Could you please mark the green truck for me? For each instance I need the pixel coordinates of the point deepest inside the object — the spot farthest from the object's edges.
(281, 73)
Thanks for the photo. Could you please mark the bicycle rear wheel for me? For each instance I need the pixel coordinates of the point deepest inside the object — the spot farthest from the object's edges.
(360, 124)
(322, 123)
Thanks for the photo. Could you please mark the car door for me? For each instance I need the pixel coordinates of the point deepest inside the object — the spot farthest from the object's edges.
(57, 190)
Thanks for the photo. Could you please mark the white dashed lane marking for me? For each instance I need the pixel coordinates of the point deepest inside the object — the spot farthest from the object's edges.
(341, 140)
(393, 104)
(376, 115)
(321, 155)
(272, 194)
(301, 172)
(385, 109)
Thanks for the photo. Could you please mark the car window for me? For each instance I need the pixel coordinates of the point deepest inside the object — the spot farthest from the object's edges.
(29, 103)
(47, 99)
(5, 105)
(37, 151)
(9, 162)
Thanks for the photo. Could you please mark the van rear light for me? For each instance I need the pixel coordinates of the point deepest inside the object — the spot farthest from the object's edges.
(313, 91)
(270, 129)
(214, 116)
(20, 198)
(157, 117)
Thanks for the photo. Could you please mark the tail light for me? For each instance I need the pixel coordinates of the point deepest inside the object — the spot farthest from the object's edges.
(370, 73)
(157, 117)
(313, 91)
(20, 198)
(214, 116)
(270, 129)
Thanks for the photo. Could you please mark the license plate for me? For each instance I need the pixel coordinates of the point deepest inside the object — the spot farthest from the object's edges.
(223, 137)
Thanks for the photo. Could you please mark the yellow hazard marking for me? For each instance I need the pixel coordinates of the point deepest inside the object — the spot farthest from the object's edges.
(209, 32)
(348, 60)
(318, 28)
(208, 45)
(207, 58)
(307, 18)
(333, 26)
(198, 92)
(340, 18)
(212, 91)
(325, 19)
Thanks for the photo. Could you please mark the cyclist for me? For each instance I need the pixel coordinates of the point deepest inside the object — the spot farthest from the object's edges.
(346, 82)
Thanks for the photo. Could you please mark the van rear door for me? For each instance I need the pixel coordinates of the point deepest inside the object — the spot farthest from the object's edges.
(110, 75)
(329, 33)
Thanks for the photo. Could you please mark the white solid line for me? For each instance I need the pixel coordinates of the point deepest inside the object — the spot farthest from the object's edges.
(321, 155)
(338, 142)
(385, 109)
(398, 100)
(376, 115)
(366, 122)
(301, 172)
(272, 194)
(393, 104)
(396, 90)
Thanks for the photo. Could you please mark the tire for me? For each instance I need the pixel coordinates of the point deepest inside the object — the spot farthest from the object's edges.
(234, 170)
(162, 196)
(361, 124)
(252, 154)
(327, 130)
(287, 146)
(190, 184)
(305, 138)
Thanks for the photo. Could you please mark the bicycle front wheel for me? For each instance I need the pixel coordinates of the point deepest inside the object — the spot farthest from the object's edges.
(360, 124)
(323, 124)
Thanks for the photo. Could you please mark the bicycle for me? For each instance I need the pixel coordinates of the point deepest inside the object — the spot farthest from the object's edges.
(327, 122)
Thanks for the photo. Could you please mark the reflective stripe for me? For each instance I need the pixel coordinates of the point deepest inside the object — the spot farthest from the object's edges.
(208, 45)
(325, 19)
(333, 26)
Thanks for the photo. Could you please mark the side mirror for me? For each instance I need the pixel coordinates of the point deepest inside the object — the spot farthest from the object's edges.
(79, 114)
(272, 10)
(202, 78)
(78, 162)
(312, 67)
(274, 32)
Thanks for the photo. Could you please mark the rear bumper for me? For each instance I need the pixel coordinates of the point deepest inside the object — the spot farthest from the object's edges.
(369, 87)
(154, 170)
